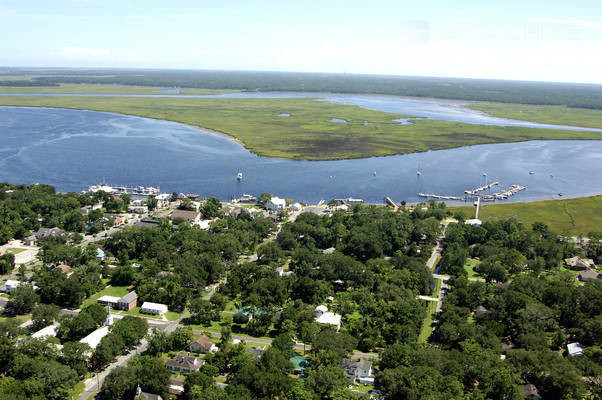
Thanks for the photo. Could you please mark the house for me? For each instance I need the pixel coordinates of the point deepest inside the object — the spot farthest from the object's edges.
(128, 301)
(296, 207)
(41, 234)
(480, 310)
(189, 216)
(275, 204)
(145, 396)
(579, 264)
(184, 363)
(282, 272)
(323, 316)
(358, 371)
(64, 268)
(108, 301)
(473, 222)
(153, 308)
(138, 209)
(575, 349)
(202, 344)
(588, 274)
(49, 331)
(11, 285)
(256, 352)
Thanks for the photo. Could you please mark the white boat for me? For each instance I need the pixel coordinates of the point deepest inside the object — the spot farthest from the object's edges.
(374, 173)
(239, 176)
(418, 173)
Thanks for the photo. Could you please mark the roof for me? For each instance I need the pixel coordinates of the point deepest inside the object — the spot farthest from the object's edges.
(12, 282)
(322, 308)
(204, 341)
(364, 364)
(128, 298)
(278, 201)
(185, 214)
(185, 361)
(329, 318)
(154, 306)
(473, 222)
(531, 391)
(108, 299)
(576, 261)
(575, 349)
(95, 337)
(64, 268)
(589, 274)
(50, 330)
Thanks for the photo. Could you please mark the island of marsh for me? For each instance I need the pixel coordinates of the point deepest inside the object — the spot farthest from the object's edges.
(307, 133)
(91, 88)
(544, 114)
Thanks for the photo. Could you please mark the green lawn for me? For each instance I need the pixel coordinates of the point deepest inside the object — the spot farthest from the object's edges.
(117, 291)
(306, 134)
(469, 266)
(573, 216)
(427, 329)
(558, 115)
(19, 318)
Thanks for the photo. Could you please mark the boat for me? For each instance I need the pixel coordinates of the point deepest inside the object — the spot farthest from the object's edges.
(331, 177)
(560, 194)
(239, 176)
(418, 173)
(374, 173)
(531, 172)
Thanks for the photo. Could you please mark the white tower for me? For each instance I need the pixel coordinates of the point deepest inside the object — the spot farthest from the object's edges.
(109, 320)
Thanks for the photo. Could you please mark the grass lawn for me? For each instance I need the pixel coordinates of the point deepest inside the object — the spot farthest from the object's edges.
(558, 115)
(14, 250)
(77, 390)
(573, 216)
(86, 88)
(19, 318)
(437, 288)
(469, 266)
(427, 329)
(307, 134)
(117, 291)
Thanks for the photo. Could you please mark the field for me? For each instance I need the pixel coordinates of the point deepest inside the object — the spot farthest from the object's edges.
(558, 115)
(72, 88)
(307, 134)
(572, 216)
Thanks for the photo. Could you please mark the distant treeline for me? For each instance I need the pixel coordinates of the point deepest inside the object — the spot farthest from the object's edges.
(27, 83)
(569, 94)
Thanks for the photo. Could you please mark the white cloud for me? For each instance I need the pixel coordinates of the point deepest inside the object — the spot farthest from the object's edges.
(82, 51)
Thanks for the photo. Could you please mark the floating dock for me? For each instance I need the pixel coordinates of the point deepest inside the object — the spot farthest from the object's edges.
(475, 191)
(350, 200)
(137, 191)
(442, 197)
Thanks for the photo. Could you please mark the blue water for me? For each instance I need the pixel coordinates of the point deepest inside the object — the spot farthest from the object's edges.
(72, 149)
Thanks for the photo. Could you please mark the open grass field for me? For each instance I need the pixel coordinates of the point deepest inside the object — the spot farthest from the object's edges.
(307, 134)
(572, 216)
(558, 115)
(469, 266)
(427, 324)
(90, 88)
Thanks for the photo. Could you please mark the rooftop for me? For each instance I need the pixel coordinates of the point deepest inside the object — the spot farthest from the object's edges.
(95, 337)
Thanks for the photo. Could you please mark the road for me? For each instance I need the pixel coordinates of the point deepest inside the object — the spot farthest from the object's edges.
(93, 385)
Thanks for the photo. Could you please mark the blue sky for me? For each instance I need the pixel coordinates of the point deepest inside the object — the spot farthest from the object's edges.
(532, 40)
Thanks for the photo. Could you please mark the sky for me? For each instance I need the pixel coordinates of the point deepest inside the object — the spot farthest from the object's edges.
(524, 40)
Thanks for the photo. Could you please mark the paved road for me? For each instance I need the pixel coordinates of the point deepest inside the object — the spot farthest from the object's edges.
(93, 385)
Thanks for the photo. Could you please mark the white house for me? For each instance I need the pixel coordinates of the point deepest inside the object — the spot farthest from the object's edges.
(358, 371)
(49, 331)
(323, 316)
(11, 285)
(296, 207)
(575, 349)
(473, 222)
(275, 204)
(153, 308)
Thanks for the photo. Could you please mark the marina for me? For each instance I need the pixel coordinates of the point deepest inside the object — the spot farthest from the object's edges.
(136, 191)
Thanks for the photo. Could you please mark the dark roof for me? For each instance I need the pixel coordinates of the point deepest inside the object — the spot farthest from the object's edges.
(482, 310)
(44, 232)
(364, 364)
(588, 274)
(185, 361)
(128, 298)
(185, 214)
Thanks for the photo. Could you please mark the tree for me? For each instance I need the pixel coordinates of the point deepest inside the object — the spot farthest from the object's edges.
(22, 300)
(74, 328)
(75, 355)
(131, 329)
(109, 347)
(7, 263)
(119, 384)
(186, 204)
(210, 208)
(180, 338)
(151, 203)
(44, 314)
(151, 374)
(263, 199)
(98, 312)
(326, 379)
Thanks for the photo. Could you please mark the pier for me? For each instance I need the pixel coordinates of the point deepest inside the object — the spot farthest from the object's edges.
(441, 197)
(350, 200)
(389, 200)
(136, 191)
(481, 188)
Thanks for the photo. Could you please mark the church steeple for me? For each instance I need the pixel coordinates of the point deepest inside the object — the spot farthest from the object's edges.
(109, 320)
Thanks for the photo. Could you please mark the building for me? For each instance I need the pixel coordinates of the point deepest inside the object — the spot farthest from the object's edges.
(202, 344)
(64, 268)
(575, 349)
(100, 254)
(138, 209)
(190, 216)
(275, 204)
(153, 308)
(256, 352)
(125, 303)
(358, 371)
(41, 234)
(145, 396)
(578, 263)
(296, 207)
(323, 316)
(473, 222)
(49, 331)
(95, 337)
(184, 363)
(588, 274)
(11, 285)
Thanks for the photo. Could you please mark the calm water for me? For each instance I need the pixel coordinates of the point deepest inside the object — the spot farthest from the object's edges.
(72, 149)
